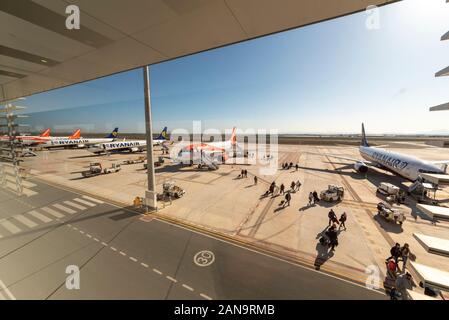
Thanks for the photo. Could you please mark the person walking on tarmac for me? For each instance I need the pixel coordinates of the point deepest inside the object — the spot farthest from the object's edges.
(288, 197)
(333, 237)
(343, 219)
(296, 167)
(332, 217)
(311, 198)
(298, 185)
(293, 185)
(395, 252)
(315, 197)
(255, 180)
(406, 254)
(282, 188)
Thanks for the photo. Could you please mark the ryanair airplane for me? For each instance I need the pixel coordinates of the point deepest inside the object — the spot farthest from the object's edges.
(79, 142)
(127, 145)
(400, 164)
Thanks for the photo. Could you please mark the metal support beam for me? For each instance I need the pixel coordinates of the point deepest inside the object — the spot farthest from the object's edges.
(150, 193)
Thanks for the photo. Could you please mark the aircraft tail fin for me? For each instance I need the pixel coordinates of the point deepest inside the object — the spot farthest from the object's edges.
(113, 134)
(163, 135)
(364, 142)
(233, 138)
(45, 133)
(76, 134)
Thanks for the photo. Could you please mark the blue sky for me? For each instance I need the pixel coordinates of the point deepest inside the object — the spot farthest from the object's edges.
(326, 77)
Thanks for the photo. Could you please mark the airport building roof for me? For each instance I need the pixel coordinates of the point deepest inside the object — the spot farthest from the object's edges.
(38, 53)
(434, 211)
(438, 179)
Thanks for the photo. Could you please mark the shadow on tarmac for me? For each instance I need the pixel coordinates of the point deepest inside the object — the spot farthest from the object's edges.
(323, 255)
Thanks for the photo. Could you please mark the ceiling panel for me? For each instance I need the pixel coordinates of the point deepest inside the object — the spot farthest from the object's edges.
(130, 34)
(210, 25)
(5, 79)
(59, 6)
(25, 36)
(19, 65)
(291, 13)
(117, 13)
(124, 55)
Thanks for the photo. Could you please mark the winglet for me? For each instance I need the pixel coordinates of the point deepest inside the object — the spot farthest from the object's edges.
(364, 141)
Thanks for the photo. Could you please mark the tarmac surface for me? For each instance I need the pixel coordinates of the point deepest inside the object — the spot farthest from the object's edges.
(219, 203)
(121, 254)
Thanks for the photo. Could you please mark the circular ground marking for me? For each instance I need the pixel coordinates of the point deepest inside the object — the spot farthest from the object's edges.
(204, 258)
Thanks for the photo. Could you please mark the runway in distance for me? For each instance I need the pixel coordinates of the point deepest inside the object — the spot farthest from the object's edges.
(127, 145)
(406, 166)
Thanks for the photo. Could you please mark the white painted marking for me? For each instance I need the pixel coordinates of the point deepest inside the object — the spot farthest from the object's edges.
(122, 253)
(133, 259)
(40, 216)
(187, 287)
(29, 223)
(88, 235)
(64, 208)
(87, 203)
(113, 249)
(11, 296)
(75, 228)
(81, 231)
(171, 279)
(96, 240)
(10, 227)
(157, 271)
(93, 199)
(75, 205)
(204, 258)
(69, 225)
(52, 212)
(105, 244)
(205, 296)
(144, 264)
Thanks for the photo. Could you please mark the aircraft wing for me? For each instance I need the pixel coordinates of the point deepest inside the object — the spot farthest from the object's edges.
(440, 162)
(368, 163)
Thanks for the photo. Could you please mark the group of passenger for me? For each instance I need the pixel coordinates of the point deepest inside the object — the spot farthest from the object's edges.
(402, 279)
(275, 190)
(243, 174)
(397, 252)
(330, 237)
(334, 221)
(313, 198)
(287, 166)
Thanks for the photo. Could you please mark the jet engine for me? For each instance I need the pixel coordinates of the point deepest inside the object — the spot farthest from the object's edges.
(360, 167)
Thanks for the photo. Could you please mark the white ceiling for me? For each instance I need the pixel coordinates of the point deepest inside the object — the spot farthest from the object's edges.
(118, 35)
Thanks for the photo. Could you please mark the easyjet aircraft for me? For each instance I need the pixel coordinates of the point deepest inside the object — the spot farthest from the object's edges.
(196, 151)
(37, 140)
(44, 135)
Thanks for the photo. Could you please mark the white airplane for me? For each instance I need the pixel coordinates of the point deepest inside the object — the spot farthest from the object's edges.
(400, 164)
(44, 137)
(210, 154)
(78, 142)
(127, 145)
